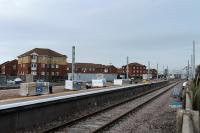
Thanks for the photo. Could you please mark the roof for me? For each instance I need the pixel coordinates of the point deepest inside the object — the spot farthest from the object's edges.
(43, 51)
(5, 63)
(109, 66)
(87, 65)
(135, 64)
(153, 70)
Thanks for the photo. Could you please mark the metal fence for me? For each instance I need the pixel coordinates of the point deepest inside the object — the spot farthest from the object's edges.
(4, 79)
(57, 79)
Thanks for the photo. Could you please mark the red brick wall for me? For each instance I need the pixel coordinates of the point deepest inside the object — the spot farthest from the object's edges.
(135, 71)
(10, 68)
(153, 72)
(93, 69)
(26, 69)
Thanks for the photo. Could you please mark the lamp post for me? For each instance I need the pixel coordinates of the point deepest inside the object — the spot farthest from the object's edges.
(127, 68)
(157, 71)
(194, 68)
(73, 62)
(148, 76)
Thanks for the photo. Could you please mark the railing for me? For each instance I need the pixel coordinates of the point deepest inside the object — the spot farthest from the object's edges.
(33, 68)
(33, 60)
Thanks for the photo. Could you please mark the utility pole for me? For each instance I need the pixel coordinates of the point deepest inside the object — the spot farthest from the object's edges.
(191, 65)
(194, 66)
(163, 70)
(127, 68)
(157, 71)
(188, 70)
(167, 72)
(148, 70)
(73, 62)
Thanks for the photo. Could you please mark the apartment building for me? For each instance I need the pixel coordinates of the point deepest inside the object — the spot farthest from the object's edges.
(42, 62)
(153, 72)
(9, 68)
(136, 70)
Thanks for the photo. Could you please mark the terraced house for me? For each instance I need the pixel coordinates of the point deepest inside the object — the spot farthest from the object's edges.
(42, 62)
(89, 71)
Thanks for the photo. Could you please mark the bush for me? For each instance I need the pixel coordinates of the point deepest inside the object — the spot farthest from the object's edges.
(196, 89)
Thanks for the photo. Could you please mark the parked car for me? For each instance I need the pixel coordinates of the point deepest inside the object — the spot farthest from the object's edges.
(10, 82)
(18, 80)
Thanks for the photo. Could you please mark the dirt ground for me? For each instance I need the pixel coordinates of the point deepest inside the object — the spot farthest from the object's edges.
(14, 93)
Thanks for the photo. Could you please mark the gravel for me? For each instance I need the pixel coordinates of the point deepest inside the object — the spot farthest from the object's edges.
(155, 117)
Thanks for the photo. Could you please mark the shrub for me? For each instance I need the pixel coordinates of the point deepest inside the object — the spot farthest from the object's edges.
(196, 89)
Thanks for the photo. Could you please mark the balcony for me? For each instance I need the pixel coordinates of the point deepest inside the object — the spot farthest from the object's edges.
(33, 68)
(33, 73)
(33, 60)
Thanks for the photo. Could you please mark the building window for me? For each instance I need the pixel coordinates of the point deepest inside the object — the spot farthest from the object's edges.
(68, 68)
(57, 66)
(43, 65)
(32, 65)
(43, 57)
(106, 70)
(52, 66)
(33, 73)
(57, 73)
(14, 67)
(34, 57)
(42, 73)
(52, 73)
(49, 66)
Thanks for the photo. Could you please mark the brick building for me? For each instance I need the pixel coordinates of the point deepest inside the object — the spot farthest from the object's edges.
(92, 68)
(89, 71)
(42, 62)
(9, 68)
(153, 72)
(136, 70)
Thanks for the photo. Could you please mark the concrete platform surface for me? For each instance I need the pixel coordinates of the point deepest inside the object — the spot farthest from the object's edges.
(17, 102)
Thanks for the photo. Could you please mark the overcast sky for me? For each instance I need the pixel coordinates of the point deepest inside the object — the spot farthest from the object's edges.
(103, 31)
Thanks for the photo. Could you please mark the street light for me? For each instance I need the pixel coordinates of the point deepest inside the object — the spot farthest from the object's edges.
(194, 67)
(127, 68)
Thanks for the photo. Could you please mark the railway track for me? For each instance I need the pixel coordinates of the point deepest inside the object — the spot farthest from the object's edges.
(98, 121)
